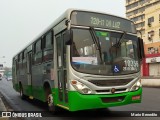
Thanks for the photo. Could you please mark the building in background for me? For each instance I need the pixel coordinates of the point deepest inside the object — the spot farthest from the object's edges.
(146, 16)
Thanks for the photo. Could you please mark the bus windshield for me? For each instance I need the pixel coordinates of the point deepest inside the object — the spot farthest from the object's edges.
(112, 59)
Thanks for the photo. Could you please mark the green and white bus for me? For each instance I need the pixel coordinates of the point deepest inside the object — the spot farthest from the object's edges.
(84, 60)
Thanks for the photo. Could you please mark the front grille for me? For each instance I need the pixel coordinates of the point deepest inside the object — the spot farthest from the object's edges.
(113, 99)
(117, 90)
(102, 90)
(114, 82)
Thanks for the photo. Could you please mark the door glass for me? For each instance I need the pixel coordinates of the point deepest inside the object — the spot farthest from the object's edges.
(64, 53)
(59, 52)
(61, 65)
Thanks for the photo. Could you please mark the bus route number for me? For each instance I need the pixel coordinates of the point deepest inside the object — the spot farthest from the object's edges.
(97, 21)
(130, 65)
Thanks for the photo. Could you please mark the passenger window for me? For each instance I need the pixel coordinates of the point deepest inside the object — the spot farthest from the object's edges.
(38, 46)
(48, 47)
(48, 40)
(24, 59)
(38, 52)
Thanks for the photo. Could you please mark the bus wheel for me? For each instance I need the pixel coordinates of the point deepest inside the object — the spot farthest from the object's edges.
(50, 103)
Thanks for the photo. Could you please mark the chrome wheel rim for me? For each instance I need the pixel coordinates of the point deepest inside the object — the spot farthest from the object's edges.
(50, 100)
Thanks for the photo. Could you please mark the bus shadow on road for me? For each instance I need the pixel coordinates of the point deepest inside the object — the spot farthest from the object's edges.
(37, 103)
(94, 113)
(103, 112)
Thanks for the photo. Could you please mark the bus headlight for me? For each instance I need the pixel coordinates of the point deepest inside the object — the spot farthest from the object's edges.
(81, 87)
(136, 86)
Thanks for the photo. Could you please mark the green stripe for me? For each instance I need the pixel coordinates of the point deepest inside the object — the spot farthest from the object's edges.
(16, 87)
(56, 99)
(36, 91)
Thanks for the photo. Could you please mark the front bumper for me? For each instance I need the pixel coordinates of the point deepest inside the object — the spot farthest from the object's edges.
(79, 101)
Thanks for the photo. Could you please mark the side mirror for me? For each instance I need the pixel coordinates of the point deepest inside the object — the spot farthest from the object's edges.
(68, 37)
(141, 48)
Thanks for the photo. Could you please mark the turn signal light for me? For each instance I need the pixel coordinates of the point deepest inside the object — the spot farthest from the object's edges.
(74, 82)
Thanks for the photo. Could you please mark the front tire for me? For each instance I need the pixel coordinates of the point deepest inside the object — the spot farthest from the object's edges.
(50, 103)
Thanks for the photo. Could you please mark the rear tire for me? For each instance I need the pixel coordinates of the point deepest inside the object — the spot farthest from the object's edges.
(23, 97)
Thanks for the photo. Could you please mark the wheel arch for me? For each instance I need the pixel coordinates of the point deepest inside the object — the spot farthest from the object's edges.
(47, 88)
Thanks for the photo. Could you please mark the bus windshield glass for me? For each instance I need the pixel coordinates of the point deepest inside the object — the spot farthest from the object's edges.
(112, 59)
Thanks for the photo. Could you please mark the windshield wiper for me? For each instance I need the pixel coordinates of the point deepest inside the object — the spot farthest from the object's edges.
(121, 38)
(96, 42)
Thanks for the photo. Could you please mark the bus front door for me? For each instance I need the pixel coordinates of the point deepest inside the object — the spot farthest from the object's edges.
(61, 69)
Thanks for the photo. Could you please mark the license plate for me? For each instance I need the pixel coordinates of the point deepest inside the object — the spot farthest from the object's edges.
(137, 97)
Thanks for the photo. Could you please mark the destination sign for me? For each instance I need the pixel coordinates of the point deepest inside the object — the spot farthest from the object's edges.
(102, 21)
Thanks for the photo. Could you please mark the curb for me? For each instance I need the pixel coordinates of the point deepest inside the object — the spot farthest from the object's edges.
(3, 108)
(12, 105)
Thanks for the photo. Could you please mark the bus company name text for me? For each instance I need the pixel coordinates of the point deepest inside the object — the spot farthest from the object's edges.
(21, 114)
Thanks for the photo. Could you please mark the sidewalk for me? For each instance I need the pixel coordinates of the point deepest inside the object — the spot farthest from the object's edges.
(151, 81)
(2, 109)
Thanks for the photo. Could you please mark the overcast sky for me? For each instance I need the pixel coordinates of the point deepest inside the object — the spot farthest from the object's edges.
(22, 20)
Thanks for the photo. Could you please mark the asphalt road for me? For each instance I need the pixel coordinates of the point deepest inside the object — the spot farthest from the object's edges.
(150, 102)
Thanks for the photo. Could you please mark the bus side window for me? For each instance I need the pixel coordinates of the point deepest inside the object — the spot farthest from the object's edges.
(48, 47)
(38, 52)
(20, 61)
(24, 60)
